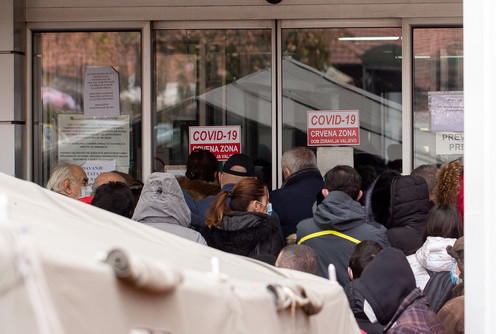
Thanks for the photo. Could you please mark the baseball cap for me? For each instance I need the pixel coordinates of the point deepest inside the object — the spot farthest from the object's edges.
(239, 160)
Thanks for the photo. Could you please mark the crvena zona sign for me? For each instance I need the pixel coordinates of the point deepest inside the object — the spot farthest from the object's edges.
(222, 141)
(328, 128)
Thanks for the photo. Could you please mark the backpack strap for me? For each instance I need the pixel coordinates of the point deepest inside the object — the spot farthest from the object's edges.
(327, 232)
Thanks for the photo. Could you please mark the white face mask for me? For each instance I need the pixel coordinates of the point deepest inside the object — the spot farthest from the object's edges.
(85, 191)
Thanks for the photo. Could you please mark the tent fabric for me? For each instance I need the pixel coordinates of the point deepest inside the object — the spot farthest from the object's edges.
(54, 279)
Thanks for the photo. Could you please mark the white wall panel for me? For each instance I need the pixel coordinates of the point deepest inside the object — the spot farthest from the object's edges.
(7, 153)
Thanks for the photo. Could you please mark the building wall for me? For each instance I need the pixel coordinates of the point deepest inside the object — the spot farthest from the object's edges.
(126, 10)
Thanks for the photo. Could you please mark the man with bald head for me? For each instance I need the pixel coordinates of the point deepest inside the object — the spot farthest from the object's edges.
(101, 179)
(70, 180)
(107, 177)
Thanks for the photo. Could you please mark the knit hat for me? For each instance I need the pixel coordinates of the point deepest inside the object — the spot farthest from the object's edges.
(241, 160)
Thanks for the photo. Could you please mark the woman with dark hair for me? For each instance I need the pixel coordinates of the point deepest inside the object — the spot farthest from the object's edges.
(237, 221)
(443, 227)
(201, 173)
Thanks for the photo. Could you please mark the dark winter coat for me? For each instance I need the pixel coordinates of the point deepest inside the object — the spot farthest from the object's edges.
(409, 208)
(203, 204)
(387, 283)
(356, 301)
(198, 189)
(246, 233)
(293, 201)
(342, 222)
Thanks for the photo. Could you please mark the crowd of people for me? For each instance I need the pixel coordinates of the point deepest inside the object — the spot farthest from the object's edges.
(396, 247)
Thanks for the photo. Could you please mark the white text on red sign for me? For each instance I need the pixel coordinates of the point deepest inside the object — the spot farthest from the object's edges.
(222, 141)
(326, 128)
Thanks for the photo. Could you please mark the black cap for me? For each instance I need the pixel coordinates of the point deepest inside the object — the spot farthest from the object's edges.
(241, 160)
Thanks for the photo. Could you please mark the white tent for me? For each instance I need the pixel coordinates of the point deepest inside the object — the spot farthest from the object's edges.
(54, 279)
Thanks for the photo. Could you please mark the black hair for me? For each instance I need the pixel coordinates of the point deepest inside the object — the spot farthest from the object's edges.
(115, 197)
(443, 221)
(201, 165)
(343, 178)
(362, 254)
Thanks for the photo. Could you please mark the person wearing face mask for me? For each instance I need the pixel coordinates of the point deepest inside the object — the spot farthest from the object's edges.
(69, 180)
(243, 226)
(451, 314)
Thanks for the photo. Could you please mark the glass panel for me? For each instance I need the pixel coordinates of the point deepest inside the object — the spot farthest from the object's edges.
(63, 130)
(346, 69)
(437, 95)
(213, 78)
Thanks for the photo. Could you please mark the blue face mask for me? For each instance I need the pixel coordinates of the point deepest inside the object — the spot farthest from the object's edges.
(269, 209)
(455, 279)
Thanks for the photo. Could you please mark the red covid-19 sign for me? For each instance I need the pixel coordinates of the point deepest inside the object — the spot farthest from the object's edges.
(328, 128)
(222, 141)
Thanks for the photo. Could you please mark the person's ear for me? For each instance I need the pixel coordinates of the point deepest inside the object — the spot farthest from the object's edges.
(325, 192)
(350, 273)
(286, 172)
(360, 194)
(67, 186)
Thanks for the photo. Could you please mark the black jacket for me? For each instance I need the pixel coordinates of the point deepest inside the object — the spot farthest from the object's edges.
(338, 213)
(356, 301)
(293, 201)
(409, 208)
(385, 282)
(246, 233)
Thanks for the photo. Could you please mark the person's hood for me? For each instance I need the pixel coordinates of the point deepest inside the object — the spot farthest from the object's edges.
(198, 189)
(385, 282)
(409, 202)
(162, 201)
(433, 256)
(339, 212)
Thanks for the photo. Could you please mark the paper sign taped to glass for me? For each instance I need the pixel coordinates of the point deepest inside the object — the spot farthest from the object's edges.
(446, 110)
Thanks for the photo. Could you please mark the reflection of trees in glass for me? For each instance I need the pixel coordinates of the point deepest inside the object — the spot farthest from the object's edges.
(65, 56)
(221, 55)
(309, 46)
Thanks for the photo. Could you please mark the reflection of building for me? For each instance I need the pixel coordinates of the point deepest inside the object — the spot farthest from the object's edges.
(308, 89)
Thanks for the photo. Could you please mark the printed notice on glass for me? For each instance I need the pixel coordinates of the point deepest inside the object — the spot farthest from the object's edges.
(449, 143)
(328, 128)
(95, 168)
(81, 140)
(222, 141)
(101, 92)
(446, 109)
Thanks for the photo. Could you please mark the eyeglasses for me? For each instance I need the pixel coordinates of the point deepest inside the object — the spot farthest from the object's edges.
(262, 203)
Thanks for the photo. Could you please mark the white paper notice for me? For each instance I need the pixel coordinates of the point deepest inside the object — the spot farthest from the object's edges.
(101, 92)
(449, 143)
(95, 168)
(446, 110)
(81, 140)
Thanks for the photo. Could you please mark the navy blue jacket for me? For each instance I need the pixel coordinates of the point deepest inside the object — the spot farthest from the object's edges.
(203, 204)
(294, 200)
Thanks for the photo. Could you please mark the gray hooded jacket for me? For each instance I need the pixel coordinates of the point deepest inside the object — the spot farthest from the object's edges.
(162, 205)
(346, 219)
